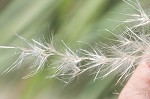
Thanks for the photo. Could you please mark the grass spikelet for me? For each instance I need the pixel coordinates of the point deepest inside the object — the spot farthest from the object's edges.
(37, 53)
(67, 68)
(137, 19)
(141, 18)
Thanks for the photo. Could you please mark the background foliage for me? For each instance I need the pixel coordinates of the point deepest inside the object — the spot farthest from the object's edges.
(68, 20)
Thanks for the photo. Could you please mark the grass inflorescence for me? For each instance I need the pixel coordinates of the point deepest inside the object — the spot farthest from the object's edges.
(131, 47)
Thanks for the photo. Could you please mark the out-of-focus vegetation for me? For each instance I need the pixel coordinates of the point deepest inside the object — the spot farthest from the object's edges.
(68, 20)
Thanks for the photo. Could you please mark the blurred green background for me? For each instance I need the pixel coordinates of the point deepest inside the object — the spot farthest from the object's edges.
(68, 20)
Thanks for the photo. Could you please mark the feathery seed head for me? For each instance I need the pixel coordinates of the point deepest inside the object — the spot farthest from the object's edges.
(122, 57)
